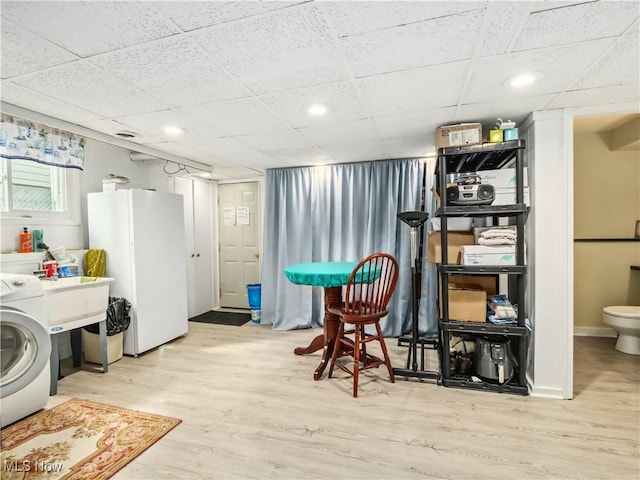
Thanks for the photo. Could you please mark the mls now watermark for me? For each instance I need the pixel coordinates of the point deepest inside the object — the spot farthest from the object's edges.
(31, 466)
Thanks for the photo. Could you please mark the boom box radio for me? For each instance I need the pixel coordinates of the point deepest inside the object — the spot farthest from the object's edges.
(469, 191)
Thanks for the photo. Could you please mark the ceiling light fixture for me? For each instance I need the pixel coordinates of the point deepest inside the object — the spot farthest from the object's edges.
(317, 109)
(523, 80)
(174, 131)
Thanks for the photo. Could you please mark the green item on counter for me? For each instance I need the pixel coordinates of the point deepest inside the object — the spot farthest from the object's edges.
(88, 279)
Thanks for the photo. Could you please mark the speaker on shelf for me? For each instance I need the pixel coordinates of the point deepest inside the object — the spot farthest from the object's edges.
(474, 194)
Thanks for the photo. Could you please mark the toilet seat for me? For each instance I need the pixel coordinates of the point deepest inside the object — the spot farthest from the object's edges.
(623, 311)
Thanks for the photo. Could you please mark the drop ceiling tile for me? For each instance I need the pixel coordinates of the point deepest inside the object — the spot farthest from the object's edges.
(153, 123)
(273, 53)
(17, 43)
(598, 96)
(176, 70)
(413, 123)
(110, 127)
(224, 173)
(180, 149)
(303, 156)
(504, 22)
(352, 18)
(85, 86)
(273, 141)
(557, 67)
(231, 151)
(26, 98)
(487, 113)
(618, 66)
(236, 117)
(355, 152)
(441, 40)
(89, 28)
(421, 88)
(410, 146)
(359, 131)
(194, 15)
(341, 100)
(576, 23)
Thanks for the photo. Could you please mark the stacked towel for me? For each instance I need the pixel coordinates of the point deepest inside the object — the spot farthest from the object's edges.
(498, 236)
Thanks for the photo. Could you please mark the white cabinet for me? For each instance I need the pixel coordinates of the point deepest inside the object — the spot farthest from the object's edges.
(199, 240)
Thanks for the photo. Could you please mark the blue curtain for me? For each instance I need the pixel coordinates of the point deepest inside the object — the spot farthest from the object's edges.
(336, 213)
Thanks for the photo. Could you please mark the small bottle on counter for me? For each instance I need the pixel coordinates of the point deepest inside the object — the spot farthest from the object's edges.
(26, 244)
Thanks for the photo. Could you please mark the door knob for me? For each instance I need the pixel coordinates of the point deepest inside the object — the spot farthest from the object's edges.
(257, 255)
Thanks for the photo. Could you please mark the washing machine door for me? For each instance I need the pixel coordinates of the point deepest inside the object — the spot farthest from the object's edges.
(25, 347)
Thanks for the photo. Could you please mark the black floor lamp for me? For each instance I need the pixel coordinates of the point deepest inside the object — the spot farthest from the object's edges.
(415, 220)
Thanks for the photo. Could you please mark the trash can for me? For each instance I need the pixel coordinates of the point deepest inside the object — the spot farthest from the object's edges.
(118, 320)
(254, 293)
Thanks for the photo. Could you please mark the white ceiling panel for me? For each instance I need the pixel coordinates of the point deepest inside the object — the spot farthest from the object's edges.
(503, 23)
(303, 156)
(84, 85)
(576, 23)
(489, 112)
(89, 28)
(273, 141)
(190, 15)
(153, 123)
(27, 98)
(423, 88)
(236, 117)
(240, 76)
(110, 127)
(441, 40)
(16, 60)
(358, 132)
(176, 70)
(223, 173)
(557, 67)
(598, 96)
(413, 123)
(277, 52)
(364, 17)
(618, 66)
(341, 100)
(411, 146)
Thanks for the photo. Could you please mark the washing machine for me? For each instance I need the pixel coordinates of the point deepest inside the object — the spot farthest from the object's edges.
(25, 347)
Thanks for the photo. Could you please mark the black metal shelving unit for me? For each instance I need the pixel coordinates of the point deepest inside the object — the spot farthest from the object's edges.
(473, 159)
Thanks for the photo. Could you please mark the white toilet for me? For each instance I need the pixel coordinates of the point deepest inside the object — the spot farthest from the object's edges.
(626, 321)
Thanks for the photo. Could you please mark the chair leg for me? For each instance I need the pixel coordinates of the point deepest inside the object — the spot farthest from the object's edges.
(356, 360)
(336, 346)
(387, 360)
(363, 352)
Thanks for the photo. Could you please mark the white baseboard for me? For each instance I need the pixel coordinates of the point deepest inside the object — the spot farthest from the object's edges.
(545, 392)
(594, 332)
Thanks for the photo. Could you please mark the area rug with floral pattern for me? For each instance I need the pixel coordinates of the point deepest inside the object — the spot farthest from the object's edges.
(79, 439)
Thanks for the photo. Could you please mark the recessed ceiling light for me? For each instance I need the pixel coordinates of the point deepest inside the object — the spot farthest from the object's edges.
(317, 109)
(523, 80)
(174, 131)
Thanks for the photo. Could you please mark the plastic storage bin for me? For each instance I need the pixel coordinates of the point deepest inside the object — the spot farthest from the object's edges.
(254, 293)
(91, 347)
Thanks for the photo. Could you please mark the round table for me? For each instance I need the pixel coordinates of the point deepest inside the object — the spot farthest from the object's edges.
(331, 276)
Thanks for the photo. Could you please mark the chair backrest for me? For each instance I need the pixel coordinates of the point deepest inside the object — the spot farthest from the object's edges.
(371, 285)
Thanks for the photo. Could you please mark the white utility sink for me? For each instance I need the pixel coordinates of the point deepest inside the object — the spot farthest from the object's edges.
(73, 302)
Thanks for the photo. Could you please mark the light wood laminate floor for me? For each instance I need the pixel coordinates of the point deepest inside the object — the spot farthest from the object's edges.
(251, 409)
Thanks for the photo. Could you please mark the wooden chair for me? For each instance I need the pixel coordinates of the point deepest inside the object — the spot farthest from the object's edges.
(368, 292)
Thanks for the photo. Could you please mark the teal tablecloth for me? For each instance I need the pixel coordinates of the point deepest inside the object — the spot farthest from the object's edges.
(320, 274)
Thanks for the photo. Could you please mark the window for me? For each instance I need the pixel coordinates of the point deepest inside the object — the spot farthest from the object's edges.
(31, 186)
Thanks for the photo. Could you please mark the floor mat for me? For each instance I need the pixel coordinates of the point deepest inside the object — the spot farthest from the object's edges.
(223, 318)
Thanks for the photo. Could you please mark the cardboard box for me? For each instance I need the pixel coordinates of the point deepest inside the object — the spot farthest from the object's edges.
(488, 255)
(467, 303)
(454, 240)
(502, 177)
(485, 282)
(459, 135)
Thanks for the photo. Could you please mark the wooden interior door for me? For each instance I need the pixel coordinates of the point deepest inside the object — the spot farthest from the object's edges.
(239, 243)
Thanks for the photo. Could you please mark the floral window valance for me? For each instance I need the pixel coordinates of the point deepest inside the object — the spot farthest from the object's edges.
(25, 140)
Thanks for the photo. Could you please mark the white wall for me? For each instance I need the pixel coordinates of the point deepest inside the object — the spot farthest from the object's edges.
(549, 155)
(100, 160)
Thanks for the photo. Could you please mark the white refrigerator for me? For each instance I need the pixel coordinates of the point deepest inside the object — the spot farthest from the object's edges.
(142, 232)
